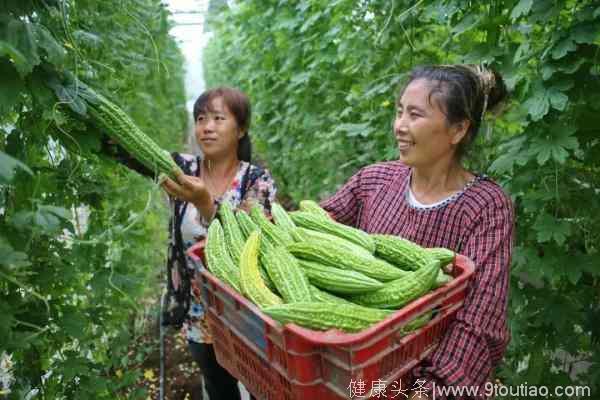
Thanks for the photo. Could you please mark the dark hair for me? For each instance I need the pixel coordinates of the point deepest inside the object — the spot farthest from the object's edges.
(238, 103)
(463, 92)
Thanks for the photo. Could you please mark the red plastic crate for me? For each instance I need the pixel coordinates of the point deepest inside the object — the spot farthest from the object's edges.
(276, 362)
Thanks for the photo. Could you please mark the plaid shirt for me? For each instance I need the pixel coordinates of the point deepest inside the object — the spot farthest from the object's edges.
(478, 223)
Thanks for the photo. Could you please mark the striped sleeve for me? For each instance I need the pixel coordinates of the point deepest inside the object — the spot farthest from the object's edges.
(345, 205)
(477, 339)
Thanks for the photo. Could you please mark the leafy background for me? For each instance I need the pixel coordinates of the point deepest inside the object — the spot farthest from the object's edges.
(78, 251)
(82, 239)
(323, 77)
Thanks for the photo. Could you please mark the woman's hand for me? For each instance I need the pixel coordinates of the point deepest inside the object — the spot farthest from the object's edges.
(193, 190)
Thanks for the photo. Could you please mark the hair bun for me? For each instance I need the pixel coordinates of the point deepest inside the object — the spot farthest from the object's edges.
(493, 87)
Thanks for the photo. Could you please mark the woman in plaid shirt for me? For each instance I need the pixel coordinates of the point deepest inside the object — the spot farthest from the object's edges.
(427, 196)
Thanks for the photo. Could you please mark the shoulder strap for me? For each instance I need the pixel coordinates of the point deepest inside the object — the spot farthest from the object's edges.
(177, 258)
(253, 172)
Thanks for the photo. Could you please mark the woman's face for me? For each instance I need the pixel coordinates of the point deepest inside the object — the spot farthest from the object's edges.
(217, 131)
(422, 130)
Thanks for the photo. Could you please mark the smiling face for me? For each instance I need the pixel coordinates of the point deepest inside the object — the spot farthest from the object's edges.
(424, 135)
(217, 131)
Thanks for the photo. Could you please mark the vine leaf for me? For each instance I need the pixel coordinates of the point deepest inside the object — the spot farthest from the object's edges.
(554, 146)
(356, 129)
(17, 42)
(12, 86)
(563, 47)
(8, 165)
(549, 228)
(56, 54)
(522, 8)
(538, 105)
(45, 218)
(10, 257)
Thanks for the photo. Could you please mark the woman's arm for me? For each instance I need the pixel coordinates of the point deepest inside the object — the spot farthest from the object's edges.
(477, 339)
(117, 152)
(345, 205)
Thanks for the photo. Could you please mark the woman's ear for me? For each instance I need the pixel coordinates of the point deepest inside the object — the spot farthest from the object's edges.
(459, 131)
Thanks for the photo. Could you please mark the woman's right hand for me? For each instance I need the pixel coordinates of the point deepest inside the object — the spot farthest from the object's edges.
(193, 190)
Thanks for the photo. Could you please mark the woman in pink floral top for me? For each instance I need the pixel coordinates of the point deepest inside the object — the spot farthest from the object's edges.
(225, 174)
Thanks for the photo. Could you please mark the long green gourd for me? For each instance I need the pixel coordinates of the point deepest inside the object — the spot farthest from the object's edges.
(284, 221)
(343, 244)
(313, 207)
(445, 256)
(121, 128)
(272, 233)
(397, 293)
(218, 259)
(323, 316)
(400, 252)
(325, 297)
(329, 254)
(251, 282)
(286, 275)
(233, 234)
(247, 226)
(338, 280)
(318, 223)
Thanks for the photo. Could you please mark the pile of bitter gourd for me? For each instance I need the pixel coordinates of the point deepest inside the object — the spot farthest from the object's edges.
(308, 269)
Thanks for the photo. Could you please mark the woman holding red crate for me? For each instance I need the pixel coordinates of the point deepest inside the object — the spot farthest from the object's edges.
(225, 174)
(429, 197)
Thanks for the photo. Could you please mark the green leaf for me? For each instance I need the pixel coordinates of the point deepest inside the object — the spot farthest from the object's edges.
(590, 264)
(538, 105)
(47, 222)
(545, 149)
(17, 41)
(10, 257)
(502, 164)
(46, 219)
(56, 53)
(87, 38)
(523, 7)
(74, 324)
(535, 367)
(12, 86)
(74, 365)
(522, 52)
(8, 165)
(549, 228)
(587, 33)
(466, 24)
(69, 95)
(355, 129)
(563, 47)
(573, 273)
(310, 22)
(573, 66)
(58, 211)
(558, 99)
(88, 141)
(555, 145)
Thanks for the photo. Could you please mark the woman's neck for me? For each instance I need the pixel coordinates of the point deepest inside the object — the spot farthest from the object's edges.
(438, 181)
(220, 168)
(218, 174)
